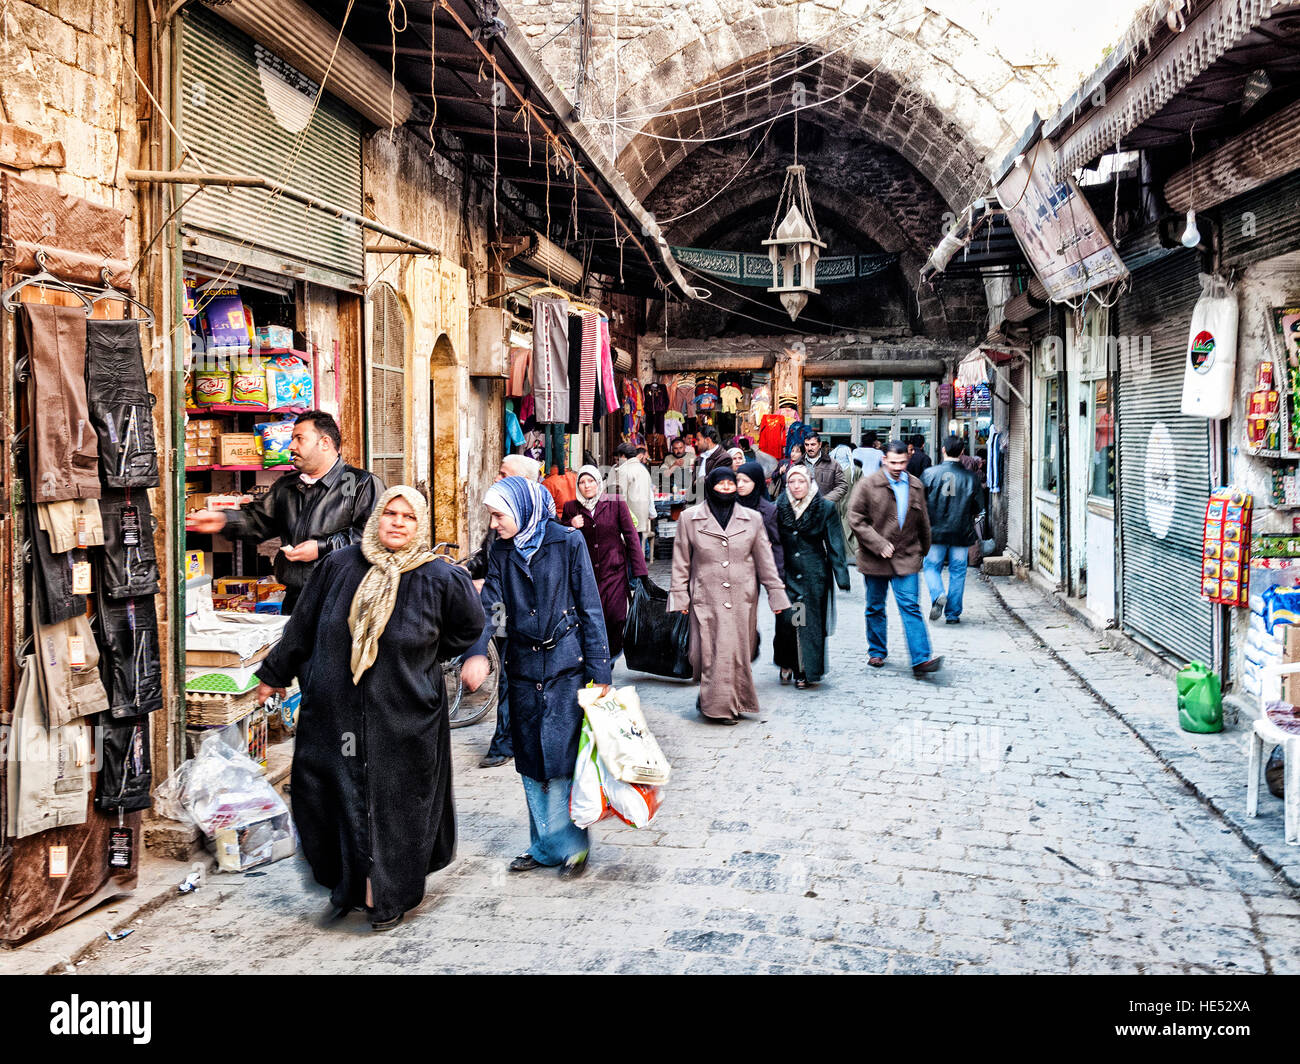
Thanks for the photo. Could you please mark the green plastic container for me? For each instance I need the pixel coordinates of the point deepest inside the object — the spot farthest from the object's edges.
(1200, 699)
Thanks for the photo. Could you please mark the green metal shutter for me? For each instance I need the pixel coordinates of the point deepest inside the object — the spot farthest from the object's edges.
(231, 93)
(1161, 575)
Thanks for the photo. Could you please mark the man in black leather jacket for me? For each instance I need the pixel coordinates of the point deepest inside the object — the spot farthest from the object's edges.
(954, 496)
(321, 507)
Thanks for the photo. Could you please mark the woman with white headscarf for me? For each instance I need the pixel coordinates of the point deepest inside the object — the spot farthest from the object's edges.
(813, 544)
(372, 755)
(613, 547)
(540, 595)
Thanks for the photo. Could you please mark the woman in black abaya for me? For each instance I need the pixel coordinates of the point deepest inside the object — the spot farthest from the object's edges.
(372, 758)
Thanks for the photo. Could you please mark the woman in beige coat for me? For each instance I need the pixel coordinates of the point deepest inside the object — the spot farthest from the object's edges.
(720, 555)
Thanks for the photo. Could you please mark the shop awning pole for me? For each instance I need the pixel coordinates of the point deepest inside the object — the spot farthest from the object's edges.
(185, 177)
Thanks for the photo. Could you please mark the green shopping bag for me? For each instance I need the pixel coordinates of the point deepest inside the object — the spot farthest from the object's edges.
(1200, 700)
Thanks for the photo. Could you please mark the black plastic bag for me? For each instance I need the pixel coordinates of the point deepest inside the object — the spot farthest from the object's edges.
(654, 640)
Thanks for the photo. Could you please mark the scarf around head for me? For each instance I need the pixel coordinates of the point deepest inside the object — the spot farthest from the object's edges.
(372, 603)
(755, 473)
(800, 505)
(721, 506)
(529, 506)
(590, 504)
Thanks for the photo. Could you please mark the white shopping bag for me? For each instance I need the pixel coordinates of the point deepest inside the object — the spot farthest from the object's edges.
(627, 748)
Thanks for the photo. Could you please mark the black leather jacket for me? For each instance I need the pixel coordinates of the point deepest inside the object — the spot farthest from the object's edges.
(333, 511)
(954, 497)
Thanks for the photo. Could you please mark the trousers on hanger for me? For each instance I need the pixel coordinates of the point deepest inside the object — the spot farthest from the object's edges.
(64, 451)
(120, 404)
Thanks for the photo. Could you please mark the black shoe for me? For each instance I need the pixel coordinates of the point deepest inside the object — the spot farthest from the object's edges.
(801, 684)
(574, 869)
(953, 620)
(525, 862)
(387, 925)
(333, 914)
(494, 760)
(936, 607)
(933, 665)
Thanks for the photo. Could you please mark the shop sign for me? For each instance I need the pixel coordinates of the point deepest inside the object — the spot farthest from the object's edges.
(1057, 229)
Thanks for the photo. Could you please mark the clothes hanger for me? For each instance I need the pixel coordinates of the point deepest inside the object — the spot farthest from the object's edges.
(43, 277)
(109, 291)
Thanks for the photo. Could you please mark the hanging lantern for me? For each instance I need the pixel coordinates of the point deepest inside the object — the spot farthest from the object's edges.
(794, 245)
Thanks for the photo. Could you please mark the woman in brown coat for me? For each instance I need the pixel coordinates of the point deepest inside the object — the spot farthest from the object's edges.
(720, 555)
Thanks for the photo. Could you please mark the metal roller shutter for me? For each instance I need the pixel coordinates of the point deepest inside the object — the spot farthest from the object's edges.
(1164, 473)
(244, 111)
(387, 419)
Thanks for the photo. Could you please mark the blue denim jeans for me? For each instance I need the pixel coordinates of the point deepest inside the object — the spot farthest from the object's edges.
(955, 558)
(906, 592)
(553, 837)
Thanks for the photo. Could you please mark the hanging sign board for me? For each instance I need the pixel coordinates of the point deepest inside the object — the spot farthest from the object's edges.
(1057, 229)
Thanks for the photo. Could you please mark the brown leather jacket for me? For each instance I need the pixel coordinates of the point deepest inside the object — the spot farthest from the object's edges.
(873, 516)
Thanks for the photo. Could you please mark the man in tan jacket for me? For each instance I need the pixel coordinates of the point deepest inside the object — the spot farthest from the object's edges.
(888, 515)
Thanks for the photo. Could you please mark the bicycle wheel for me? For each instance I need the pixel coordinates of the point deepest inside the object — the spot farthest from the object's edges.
(469, 707)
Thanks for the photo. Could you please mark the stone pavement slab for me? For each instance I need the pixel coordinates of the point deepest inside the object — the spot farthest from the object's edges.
(994, 818)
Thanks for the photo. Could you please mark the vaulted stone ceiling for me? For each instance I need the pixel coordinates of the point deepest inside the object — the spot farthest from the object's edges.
(910, 109)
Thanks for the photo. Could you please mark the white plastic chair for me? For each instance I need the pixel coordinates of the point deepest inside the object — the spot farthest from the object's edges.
(1266, 734)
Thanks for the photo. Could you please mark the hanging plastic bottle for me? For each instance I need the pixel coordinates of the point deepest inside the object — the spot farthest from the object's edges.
(1211, 366)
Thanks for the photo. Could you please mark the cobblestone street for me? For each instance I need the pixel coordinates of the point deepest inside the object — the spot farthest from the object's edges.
(995, 820)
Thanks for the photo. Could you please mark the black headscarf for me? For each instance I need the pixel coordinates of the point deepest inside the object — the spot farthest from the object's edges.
(720, 505)
(755, 473)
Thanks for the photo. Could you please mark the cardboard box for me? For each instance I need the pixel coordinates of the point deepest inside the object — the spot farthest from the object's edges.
(240, 448)
(203, 428)
(234, 585)
(1291, 653)
(274, 336)
(223, 659)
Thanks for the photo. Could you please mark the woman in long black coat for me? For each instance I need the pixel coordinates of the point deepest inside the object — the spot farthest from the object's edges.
(540, 593)
(612, 545)
(372, 757)
(751, 492)
(813, 544)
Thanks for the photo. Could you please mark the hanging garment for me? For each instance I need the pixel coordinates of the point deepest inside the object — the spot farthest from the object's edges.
(573, 422)
(528, 413)
(590, 366)
(127, 630)
(70, 524)
(608, 387)
(731, 396)
(771, 435)
(63, 448)
(514, 433)
(54, 591)
(993, 474)
(47, 775)
(633, 407)
(520, 382)
(68, 657)
(683, 397)
(125, 770)
(127, 566)
(674, 423)
(656, 406)
(657, 444)
(551, 360)
(760, 402)
(121, 406)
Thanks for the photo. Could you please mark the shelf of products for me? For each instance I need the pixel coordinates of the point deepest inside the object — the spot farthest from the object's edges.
(235, 468)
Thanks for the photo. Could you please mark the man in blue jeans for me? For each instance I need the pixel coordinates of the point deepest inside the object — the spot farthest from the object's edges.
(954, 496)
(891, 523)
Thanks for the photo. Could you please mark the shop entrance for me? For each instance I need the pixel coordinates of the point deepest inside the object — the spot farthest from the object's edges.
(845, 411)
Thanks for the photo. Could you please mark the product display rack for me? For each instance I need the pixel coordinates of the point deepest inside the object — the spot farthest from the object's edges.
(243, 557)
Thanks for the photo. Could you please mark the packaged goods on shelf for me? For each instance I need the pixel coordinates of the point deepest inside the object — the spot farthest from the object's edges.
(240, 448)
(288, 383)
(248, 388)
(211, 387)
(278, 336)
(196, 564)
(276, 437)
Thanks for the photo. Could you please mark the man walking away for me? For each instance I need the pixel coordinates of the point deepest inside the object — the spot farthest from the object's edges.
(919, 461)
(952, 496)
(832, 483)
(888, 515)
(869, 455)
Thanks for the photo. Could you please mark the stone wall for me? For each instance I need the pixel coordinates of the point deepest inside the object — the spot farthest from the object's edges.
(64, 77)
(424, 195)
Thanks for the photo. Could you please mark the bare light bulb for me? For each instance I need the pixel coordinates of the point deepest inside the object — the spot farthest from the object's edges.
(1191, 234)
